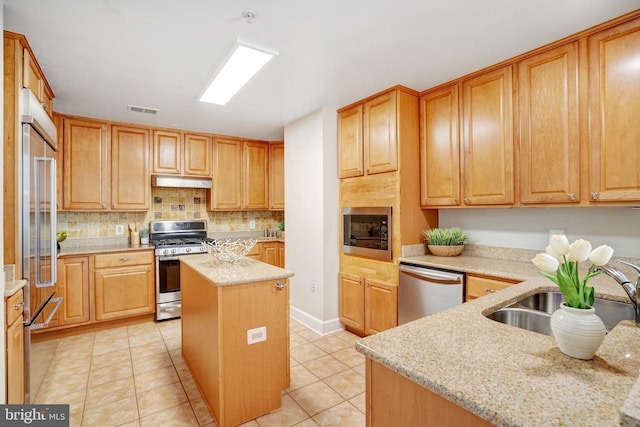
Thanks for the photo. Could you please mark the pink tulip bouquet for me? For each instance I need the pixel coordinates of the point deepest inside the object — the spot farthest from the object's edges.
(560, 265)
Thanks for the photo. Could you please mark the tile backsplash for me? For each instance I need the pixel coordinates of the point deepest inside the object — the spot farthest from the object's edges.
(167, 203)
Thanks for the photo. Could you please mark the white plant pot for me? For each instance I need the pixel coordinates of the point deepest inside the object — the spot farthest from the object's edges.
(579, 332)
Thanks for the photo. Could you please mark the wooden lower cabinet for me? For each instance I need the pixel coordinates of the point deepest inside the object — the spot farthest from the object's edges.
(367, 306)
(281, 254)
(393, 400)
(478, 286)
(124, 290)
(269, 253)
(73, 287)
(15, 348)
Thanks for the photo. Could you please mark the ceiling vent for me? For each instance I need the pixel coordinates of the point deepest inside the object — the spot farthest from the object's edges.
(145, 110)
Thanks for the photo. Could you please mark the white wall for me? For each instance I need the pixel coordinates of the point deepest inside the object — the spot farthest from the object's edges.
(311, 217)
(528, 228)
(3, 376)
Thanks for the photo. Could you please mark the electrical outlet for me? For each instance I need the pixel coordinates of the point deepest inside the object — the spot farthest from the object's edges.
(313, 287)
(256, 335)
(119, 229)
(252, 225)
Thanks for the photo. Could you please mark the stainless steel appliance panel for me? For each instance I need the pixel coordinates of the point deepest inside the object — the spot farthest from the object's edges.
(423, 291)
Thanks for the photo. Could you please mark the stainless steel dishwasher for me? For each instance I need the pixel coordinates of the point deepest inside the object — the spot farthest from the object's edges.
(424, 291)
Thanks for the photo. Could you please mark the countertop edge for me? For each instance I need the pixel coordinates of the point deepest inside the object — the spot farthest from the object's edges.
(10, 288)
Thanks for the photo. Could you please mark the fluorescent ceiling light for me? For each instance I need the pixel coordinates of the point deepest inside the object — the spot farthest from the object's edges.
(243, 63)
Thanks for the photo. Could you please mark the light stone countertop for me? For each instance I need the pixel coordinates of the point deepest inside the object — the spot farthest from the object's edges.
(244, 270)
(94, 249)
(507, 375)
(10, 288)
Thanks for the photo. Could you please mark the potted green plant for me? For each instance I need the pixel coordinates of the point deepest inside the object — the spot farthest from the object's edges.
(445, 241)
(575, 325)
(281, 228)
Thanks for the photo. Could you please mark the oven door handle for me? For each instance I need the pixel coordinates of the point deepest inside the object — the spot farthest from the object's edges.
(168, 258)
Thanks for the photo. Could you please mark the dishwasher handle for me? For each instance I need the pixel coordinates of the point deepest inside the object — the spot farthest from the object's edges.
(433, 275)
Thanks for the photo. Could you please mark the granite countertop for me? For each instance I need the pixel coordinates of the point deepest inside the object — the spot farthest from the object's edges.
(507, 375)
(244, 270)
(10, 288)
(94, 249)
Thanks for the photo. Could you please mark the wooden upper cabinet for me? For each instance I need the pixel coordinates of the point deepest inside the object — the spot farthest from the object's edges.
(34, 79)
(276, 175)
(226, 193)
(86, 167)
(167, 151)
(197, 155)
(350, 155)
(255, 175)
(130, 168)
(487, 106)
(614, 103)
(175, 153)
(439, 148)
(380, 141)
(549, 127)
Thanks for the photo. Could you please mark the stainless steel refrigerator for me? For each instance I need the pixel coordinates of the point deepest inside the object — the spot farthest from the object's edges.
(38, 234)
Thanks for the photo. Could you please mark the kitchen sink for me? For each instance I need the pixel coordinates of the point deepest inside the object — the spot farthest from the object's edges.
(533, 313)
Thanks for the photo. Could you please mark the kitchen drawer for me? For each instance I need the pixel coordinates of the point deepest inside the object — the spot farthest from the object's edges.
(478, 286)
(120, 259)
(14, 307)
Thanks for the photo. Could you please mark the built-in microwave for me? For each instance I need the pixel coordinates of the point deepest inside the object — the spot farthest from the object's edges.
(367, 232)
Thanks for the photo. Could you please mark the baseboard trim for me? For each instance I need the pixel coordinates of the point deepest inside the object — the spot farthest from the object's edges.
(323, 327)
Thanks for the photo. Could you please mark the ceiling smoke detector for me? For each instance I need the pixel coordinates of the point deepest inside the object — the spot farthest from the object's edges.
(145, 110)
(249, 15)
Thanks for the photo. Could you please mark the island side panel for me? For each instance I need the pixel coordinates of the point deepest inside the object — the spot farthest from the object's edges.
(254, 374)
(200, 336)
(388, 394)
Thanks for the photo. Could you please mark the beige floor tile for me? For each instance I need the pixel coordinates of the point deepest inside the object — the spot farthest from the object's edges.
(149, 338)
(289, 414)
(173, 343)
(109, 392)
(109, 335)
(331, 344)
(176, 416)
(325, 366)
(348, 383)
(152, 362)
(300, 377)
(111, 358)
(75, 418)
(183, 371)
(156, 378)
(360, 402)
(60, 371)
(59, 385)
(107, 347)
(347, 336)
(349, 356)
(158, 399)
(316, 397)
(149, 349)
(294, 325)
(309, 335)
(360, 369)
(176, 355)
(251, 423)
(304, 353)
(201, 411)
(113, 414)
(296, 340)
(142, 329)
(191, 389)
(68, 355)
(134, 423)
(344, 414)
(293, 362)
(75, 400)
(105, 374)
(307, 423)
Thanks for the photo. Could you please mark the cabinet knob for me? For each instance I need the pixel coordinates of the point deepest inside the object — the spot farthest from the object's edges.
(466, 200)
(279, 285)
(594, 196)
(489, 290)
(572, 196)
(454, 200)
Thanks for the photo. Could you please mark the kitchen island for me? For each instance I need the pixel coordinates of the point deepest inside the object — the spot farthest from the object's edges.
(235, 335)
(458, 367)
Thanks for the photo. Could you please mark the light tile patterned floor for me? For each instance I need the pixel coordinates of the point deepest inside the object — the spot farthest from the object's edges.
(135, 376)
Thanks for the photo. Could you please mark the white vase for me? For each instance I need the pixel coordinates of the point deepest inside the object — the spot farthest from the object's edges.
(579, 332)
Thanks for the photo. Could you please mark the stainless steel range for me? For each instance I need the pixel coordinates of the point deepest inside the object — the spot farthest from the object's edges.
(172, 239)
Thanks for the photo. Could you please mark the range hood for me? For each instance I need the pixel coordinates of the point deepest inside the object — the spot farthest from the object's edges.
(180, 182)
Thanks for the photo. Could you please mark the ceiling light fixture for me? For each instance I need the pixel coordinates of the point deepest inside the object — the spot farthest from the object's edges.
(243, 63)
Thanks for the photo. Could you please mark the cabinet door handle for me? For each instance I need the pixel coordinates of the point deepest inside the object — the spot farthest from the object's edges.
(466, 200)
(572, 196)
(279, 285)
(594, 196)
(489, 290)
(125, 259)
(19, 305)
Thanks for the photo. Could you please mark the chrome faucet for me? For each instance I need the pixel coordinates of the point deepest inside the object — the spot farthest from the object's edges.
(621, 278)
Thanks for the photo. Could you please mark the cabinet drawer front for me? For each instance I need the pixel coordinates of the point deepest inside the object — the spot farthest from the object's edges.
(480, 286)
(14, 307)
(120, 259)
